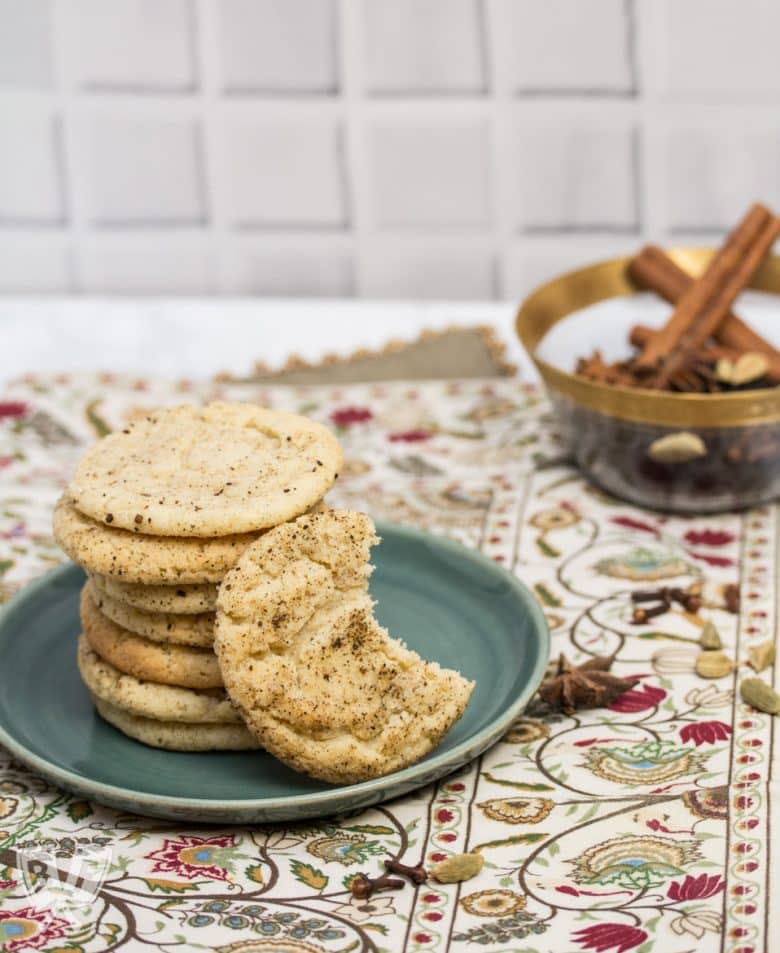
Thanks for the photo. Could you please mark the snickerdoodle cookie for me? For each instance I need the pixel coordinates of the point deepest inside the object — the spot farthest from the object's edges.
(185, 599)
(318, 681)
(132, 654)
(152, 699)
(140, 558)
(182, 628)
(175, 735)
(210, 471)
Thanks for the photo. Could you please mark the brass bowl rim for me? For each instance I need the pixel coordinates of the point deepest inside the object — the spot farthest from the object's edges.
(622, 402)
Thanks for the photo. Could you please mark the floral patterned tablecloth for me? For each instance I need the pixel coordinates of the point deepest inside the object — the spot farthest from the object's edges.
(641, 827)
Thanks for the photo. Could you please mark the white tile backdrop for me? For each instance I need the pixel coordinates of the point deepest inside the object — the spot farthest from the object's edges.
(399, 148)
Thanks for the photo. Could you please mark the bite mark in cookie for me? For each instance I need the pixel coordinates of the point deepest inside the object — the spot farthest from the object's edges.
(320, 683)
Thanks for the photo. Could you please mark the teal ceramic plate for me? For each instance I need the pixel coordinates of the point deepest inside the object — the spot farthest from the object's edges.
(448, 603)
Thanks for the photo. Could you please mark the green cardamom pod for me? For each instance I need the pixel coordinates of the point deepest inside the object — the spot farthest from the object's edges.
(709, 638)
(756, 693)
(713, 664)
(677, 448)
(761, 656)
(457, 868)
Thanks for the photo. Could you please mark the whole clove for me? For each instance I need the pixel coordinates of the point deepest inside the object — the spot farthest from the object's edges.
(689, 599)
(363, 886)
(731, 598)
(418, 874)
(650, 595)
(640, 615)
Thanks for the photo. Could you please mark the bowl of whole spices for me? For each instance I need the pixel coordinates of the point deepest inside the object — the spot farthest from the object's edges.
(664, 370)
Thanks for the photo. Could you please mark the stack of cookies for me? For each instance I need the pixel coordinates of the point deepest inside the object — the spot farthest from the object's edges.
(157, 514)
(221, 612)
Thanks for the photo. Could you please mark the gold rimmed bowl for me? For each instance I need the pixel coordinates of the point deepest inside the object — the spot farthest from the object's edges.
(614, 432)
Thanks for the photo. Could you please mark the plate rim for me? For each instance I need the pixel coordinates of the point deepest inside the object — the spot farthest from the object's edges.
(331, 796)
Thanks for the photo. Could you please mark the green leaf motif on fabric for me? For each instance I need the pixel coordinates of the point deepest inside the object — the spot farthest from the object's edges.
(547, 597)
(504, 930)
(545, 548)
(255, 873)
(379, 830)
(309, 875)
(520, 785)
(170, 886)
(78, 810)
(511, 841)
(94, 419)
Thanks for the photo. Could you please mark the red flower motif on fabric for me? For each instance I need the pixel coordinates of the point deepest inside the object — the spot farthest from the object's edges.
(29, 929)
(347, 416)
(443, 816)
(709, 537)
(722, 561)
(422, 937)
(409, 436)
(696, 888)
(12, 408)
(630, 523)
(609, 936)
(565, 888)
(705, 732)
(192, 857)
(638, 699)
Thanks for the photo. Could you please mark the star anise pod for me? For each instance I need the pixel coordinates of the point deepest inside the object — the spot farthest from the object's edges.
(590, 685)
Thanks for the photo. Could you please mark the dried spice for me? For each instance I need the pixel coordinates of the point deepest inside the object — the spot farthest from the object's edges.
(363, 887)
(677, 448)
(418, 874)
(731, 597)
(713, 664)
(756, 693)
(457, 868)
(747, 368)
(761, 656)
(709, 638)
(642, 614)
(689, 599)
(590, 685)
(703, 347)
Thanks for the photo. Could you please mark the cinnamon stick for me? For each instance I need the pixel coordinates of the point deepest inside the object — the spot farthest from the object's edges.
(704, 306)
(640, 336)
(703, 294)
(652, 268)
(703, 314)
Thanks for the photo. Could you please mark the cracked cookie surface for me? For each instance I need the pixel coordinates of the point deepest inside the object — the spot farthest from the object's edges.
(140, 558)
(319, 682)
(211, 471)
